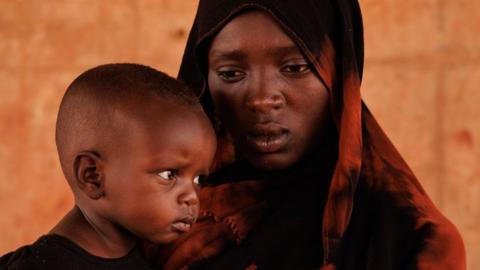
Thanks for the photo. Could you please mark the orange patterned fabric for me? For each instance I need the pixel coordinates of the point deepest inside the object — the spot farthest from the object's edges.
(373, 213)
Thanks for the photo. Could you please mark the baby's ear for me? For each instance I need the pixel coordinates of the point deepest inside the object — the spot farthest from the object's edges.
(88, 174)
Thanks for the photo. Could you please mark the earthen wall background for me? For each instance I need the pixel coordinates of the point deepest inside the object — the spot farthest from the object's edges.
(421, 80)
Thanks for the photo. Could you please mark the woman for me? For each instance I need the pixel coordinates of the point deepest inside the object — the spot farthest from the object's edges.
(305, 178)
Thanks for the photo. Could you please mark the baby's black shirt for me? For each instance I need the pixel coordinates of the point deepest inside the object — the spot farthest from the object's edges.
(55, 252)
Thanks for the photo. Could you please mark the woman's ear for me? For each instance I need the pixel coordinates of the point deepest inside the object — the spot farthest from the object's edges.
(88, 174)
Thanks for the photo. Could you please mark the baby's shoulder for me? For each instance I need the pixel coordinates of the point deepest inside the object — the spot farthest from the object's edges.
(20, 259)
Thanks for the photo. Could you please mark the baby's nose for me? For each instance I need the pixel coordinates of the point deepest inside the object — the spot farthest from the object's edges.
(188, 196)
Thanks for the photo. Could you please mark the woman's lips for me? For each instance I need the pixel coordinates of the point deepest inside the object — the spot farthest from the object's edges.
(268, 138)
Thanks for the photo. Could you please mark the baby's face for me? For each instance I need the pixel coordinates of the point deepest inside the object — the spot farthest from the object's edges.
(151, 181)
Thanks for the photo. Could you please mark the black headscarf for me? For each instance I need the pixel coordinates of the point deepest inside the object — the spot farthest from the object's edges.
(330, 35)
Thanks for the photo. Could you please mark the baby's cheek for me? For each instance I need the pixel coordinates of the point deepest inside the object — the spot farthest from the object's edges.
(163, 212)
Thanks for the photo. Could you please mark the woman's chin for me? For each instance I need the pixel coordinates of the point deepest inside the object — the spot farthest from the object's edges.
(270, 162)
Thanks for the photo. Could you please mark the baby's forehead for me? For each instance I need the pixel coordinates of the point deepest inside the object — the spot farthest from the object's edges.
(164, 125)
(157, 114)
(155, 109)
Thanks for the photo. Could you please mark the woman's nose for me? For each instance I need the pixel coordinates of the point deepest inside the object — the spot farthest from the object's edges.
(264, 96)
(265, 104)
(188, 195)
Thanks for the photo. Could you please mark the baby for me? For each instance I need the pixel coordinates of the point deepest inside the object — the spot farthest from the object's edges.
(133, 144)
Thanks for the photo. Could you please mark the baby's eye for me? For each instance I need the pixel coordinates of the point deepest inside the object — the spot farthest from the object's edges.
(168, 175)
(230, 75)
(199, 179)
(196, 180)
(296, 68)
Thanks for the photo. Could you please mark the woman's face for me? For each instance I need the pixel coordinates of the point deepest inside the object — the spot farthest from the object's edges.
(265, 93)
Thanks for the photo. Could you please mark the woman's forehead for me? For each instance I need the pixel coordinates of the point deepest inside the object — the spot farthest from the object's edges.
(251, 30)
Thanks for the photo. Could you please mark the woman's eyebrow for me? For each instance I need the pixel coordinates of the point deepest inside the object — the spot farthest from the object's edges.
(228, 54)
(239, 54)
(285, 50)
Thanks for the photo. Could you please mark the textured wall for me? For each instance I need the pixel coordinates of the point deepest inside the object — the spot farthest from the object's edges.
(421, 76)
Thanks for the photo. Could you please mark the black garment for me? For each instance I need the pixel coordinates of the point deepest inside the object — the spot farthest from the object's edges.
(54, 252)
(295, 202)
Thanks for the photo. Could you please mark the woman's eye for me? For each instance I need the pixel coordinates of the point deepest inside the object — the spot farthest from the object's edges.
(168, 175)
(230, 75)
(296, 68)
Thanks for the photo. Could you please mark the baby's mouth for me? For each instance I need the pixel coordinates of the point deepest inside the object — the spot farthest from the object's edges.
(184, 224)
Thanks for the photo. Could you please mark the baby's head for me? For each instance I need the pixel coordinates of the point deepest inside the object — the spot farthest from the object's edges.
(133, 144)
